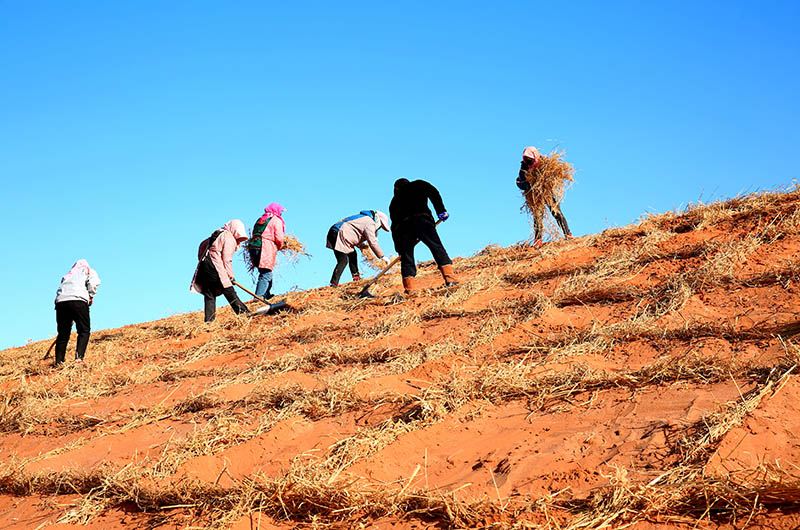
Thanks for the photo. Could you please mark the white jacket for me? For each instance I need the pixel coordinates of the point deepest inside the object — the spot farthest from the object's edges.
(80, 283)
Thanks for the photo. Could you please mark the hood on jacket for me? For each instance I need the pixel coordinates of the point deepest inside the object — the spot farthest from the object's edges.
(532, 153)
(382, 220)
(236, 227)
(80, 266)
(399, 183)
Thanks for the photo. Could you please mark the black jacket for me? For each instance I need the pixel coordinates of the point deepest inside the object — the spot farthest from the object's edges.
(522, 178)
(411, 198)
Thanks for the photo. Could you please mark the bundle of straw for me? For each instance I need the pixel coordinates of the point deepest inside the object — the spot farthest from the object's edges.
(549, 179)
(292, 248)
(369, 258)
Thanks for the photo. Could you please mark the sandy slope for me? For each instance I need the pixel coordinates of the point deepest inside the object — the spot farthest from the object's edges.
(645, 376)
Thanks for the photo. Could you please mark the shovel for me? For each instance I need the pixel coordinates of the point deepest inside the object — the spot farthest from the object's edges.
(267, 309)
(365, 291)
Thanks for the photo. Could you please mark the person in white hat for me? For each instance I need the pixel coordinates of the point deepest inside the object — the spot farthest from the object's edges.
(351, 232)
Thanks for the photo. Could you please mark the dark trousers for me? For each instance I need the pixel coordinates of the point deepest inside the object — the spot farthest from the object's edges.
(342, 259)
(66, 313)
(411, 231)
(210, 300)
(555, 209)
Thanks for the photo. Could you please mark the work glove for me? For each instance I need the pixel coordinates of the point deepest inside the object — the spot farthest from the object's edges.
(90, 301)
(385, 261)
(444, 216)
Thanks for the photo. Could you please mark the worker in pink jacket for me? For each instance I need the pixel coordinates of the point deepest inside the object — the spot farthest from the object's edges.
(214, 273)
(352, 232)
(264, 244)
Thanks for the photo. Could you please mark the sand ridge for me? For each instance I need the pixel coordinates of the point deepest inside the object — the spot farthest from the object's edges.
(644, 376)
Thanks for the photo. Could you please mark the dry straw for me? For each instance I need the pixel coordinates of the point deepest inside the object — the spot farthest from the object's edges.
(292, 248)
(369, 258)
(548, 180)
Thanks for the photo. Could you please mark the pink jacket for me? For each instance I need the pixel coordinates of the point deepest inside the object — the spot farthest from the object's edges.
(271, 242)
(353, 233)
(221, 253)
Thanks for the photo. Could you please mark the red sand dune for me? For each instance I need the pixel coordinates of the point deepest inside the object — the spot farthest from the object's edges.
(643, 377)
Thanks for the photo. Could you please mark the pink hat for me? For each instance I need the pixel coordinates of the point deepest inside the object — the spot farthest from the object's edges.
(532, 153)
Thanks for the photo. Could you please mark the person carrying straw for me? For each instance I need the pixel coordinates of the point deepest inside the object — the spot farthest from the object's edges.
(262, 248)
(541, 180)
(214, 273)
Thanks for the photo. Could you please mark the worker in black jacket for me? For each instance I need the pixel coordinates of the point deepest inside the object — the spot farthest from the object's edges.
(412, 222)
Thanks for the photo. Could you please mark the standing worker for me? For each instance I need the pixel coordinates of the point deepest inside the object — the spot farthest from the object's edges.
(527, 176)
(263, 246)
(412, 222)
(214, 273)
(352, 232)
(73, 298)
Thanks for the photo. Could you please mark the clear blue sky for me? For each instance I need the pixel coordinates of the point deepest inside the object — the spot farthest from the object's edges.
(131, 130)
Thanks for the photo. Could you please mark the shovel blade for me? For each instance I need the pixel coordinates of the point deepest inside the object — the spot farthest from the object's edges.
(271, 308)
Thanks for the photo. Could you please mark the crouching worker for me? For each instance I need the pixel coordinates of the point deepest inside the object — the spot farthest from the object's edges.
(214, 273)
(264, 244)
(73, 298)
(412, 222)
(528, 181)
(352, 232)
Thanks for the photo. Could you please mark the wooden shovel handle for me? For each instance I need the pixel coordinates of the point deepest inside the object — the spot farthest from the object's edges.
(249, 292)
(386, 269)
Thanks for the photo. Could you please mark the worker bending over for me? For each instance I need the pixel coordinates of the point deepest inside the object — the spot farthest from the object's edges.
(214, 273)
(73, 298)
(352, 232)
(412, 222)
(530, 159)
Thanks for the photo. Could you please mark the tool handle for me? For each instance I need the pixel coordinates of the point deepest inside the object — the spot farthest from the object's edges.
(386, 269)
(47, 354)
(249, 292)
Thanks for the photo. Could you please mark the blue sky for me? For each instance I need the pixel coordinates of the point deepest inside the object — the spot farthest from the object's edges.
(131, 130)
